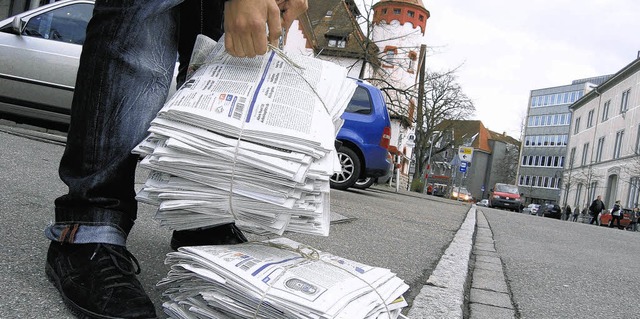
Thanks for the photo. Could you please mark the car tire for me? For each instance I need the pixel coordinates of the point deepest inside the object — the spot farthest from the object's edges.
(350, 163)
(364, 183)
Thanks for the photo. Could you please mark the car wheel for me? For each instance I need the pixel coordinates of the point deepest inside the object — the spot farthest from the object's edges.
(350, 169)
(364, 183)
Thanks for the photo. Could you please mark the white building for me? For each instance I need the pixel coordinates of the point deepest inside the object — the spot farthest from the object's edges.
(604, 143)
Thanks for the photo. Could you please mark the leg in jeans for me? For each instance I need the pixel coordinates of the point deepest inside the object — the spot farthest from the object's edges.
(125, 71)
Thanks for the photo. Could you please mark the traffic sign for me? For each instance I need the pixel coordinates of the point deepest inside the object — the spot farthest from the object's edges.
(465, 153)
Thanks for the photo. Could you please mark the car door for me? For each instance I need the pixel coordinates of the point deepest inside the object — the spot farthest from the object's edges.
(38, 67)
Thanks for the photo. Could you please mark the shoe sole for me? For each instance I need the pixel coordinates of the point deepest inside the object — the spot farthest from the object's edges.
(76, 310)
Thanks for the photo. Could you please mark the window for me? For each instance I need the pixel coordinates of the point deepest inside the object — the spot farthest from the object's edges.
(397, 11)
(542, 160)
(524, 160)
(624, 103)
(592, 189)
(360, 102)
(585, 154)
(605, 110)
(634, 192)
(336, 42)
(617, 147)
(65, 24)
(578, 195)
(421, 18)
(384, 11)
(599, 149)
(590, 119)
(576, 128)
(637, 150)
(411, 14)
(572, 157)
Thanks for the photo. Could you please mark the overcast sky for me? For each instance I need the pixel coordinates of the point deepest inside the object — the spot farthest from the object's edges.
(507, 48)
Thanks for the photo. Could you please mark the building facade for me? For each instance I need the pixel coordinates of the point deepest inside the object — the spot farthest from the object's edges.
(604, 144)
(545, 139)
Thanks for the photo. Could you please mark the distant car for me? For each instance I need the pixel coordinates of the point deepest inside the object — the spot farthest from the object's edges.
(505, 196)
(461, 194)
(550, 210)
(484, 202)
(606, 219)
(531, 209)
(364, 137)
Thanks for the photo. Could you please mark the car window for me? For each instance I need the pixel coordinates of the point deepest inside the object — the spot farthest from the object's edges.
(65, 24)
(504, 188)
(360, 102)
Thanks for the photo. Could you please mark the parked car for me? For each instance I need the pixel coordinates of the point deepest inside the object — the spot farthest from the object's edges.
(366, 182)
(606, 219)
(484, 203)
(505, 196)
(40, 52)
(551, 210)
(461, 194)
(531, 209)
(365, 137)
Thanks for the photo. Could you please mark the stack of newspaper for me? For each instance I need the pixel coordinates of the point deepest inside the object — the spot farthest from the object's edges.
(278, 278)
(249, 140)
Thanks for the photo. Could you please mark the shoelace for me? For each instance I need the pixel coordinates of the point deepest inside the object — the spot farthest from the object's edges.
(116, 259)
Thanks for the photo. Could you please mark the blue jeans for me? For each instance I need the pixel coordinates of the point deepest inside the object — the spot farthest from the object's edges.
(126, 68)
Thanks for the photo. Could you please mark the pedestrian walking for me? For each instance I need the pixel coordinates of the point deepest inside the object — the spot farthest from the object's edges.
(567, 212)
(635, 216)
(616, 215)
(596, 207)
(574, 216)
(125, 71)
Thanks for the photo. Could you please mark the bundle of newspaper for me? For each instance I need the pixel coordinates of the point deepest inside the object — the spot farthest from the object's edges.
(277, 278)
(249, 140)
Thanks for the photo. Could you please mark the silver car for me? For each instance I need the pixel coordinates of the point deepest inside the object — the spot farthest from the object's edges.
(40, 52)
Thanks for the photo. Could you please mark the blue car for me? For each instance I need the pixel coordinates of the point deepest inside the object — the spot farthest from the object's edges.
(364, 138)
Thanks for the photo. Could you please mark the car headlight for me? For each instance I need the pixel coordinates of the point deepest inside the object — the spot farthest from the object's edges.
(496, 196)
(454, 194)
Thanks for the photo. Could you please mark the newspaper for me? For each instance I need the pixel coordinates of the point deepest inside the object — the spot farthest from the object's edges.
(277, 278)
(247, 140)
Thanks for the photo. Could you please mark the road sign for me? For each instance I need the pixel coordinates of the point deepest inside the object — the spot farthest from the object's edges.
(465, 153)
(463, 167)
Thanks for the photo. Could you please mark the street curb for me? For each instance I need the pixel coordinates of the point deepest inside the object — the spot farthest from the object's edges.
(443, 295)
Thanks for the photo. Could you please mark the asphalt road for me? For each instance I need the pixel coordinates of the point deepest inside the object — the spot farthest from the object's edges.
(405, 232)
(559, 269)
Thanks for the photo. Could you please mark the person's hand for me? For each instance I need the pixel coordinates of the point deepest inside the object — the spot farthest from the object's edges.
(244, 25)
(291, 9)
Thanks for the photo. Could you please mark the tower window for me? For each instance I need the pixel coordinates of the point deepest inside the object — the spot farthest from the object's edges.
(421, 18)
(384, 11)
(411, 14)
(396, 11)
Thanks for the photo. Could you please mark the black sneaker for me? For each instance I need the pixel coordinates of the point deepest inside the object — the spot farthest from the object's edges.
(227, 234)
(98, 281)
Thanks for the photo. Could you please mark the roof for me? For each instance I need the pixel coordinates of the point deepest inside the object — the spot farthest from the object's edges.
(331, 19)
(621, 75)
(475, 132)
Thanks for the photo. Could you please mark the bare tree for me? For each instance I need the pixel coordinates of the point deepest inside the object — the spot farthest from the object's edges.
(444, 100)
(507, 167)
